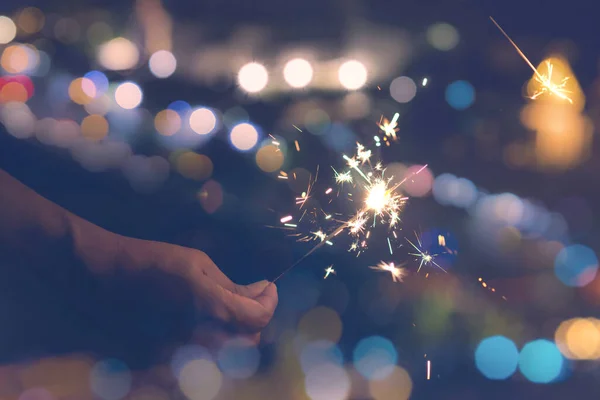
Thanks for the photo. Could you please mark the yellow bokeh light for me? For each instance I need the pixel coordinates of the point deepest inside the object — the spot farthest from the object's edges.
(243, 136)
(94, 127)
(194, 166)
(579, 338)
(321, 323)
(15, 59)
(253, 77)
(203, 121)
(269, 158)
(352, 75)
(395, 386)
(31, 20)
(442, 36)
(167, 122)
(118, 54)
(200, 380)
(128, 95)
(298, 73)
(8, 30)
(162, 64)
(82, 91)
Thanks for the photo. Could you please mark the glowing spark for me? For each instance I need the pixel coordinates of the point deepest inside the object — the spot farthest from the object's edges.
(428, 369)
(397, 272)
(291, 225)
(362, 154)
(423, 256)
(297, 145)
(320, 235)
(328, 191)
(357, 224)
(390, 246)
(548, 86)
(441, 240)
(424, 83)
(300, 130)
(286, 219)
(329, 270)
(390, 127)
(344, 177)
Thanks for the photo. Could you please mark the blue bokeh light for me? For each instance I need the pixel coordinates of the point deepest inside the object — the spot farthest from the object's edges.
(576, 265)
(238, 358)
(375, 357)
(100, 81)
(340, 138)
(318, 353)
(497, 357)
(540, 361)
(460, 95)
(180, 107)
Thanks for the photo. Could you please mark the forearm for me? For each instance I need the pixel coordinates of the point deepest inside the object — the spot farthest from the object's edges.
(33, 227)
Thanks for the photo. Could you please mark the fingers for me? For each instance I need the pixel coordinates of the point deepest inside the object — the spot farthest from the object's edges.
(253, 290)
(246, 314)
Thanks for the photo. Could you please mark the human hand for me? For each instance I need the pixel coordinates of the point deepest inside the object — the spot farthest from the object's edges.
(226, 308)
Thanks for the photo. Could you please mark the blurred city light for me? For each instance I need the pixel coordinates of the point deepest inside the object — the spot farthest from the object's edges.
(298, 73)
(576, 265)
(327, 382)
(375, 357)
(269, 158)
(352, 75)
(110, 379)
(396, 386)
(238, 358)
(318, 353)
(418, 184)
(460, 95)
(243, 136)
(497, 357)
(167, 122)
(94, 127)
(8, 30)
(540, 361)
(253, 77)
(317, 122)
(185, 354)
(321, 323)
(579, 338)
(200, 380)
(442, 36)
(194, 166)
(118, 54)
(128, 95)
(162, 64)
(203, 121)
(99, 80)
(403, 89)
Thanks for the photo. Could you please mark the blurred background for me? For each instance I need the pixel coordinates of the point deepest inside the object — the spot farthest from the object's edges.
(176, 120)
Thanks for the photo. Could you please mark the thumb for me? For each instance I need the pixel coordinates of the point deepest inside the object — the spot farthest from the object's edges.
(253, 290)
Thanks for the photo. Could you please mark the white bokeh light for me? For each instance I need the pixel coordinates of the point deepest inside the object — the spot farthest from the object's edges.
(253, 77)
(128, 95)
(243, 136)
(203, 121)
(298, 73)
(8, 30)
(352, 75)
(118, 54)
(162, 64)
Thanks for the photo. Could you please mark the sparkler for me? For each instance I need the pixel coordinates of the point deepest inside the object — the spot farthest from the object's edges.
(422, 255)
(329, 270)
(397, 273)
(548, 86)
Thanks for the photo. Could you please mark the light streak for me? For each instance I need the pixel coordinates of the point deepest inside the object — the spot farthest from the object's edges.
(428, 369)
(286, 219)
(297, 145)
(397, 273)
(548, 86)
(329, 270)
(390, 127)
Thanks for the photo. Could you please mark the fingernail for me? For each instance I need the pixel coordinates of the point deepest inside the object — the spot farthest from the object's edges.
(260, 283)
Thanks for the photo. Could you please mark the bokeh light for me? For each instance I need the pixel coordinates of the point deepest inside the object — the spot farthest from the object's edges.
(375, 357)
(403, 89)
(253, 77)
(31, 20)
(194, 166)
(540, 361)
(162, 64)
(200, 380)
(459, 192)
(8, 30)
(497, 357)
(82, 91)
(460, 95)
(99, 80)
(110, 379)
(238, 358)
(128, 95)
(269, 158)
(167, 122)
(321, 323)
(579, 338)
(320, 352)
(576, 265)
(442, 36)
(317, 122)
(185, 354)
(396, 386)
(352, 75)
(298, 73)
(94, 127)
(20, 59)
(243, 136)
(118, 54)
(327, 382)
(418, 184)
(203, 121)
(211, 196)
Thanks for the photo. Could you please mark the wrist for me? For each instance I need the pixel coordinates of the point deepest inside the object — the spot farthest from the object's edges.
(97, 248)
